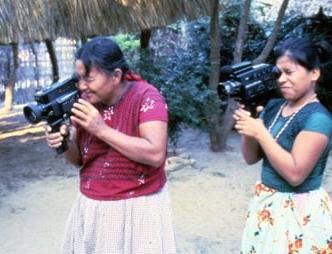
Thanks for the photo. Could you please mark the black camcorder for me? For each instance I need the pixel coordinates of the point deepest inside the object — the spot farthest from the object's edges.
(251, 85)
(53, 104)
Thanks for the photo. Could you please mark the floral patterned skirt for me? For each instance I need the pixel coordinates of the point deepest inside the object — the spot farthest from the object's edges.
(281, 223)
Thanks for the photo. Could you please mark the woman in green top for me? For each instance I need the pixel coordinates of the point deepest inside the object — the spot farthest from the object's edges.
(290, 212)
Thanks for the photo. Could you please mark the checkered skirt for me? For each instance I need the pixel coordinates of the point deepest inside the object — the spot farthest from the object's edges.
(137, 225)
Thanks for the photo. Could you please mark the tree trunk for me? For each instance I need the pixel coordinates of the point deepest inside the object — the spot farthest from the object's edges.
(214, 115)
(37, 68)
(53, 58)
(9, 90)
(145, 38)
(227, 122)
(83, 39)
(146, 57)
(272, 39)
(241, 34)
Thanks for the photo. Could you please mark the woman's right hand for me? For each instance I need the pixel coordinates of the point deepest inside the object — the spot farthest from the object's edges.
(240, 113)
(55, 139)
(247, 125)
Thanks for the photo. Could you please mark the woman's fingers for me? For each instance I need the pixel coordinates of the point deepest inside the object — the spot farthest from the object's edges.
(77, 107)
(79, 114)
(241, 114)
(47, 129)
(55, 139)
(83, 110)
(259, 109)
(83, 106)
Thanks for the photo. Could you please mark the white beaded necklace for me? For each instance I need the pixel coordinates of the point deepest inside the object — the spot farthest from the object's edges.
(289, 119)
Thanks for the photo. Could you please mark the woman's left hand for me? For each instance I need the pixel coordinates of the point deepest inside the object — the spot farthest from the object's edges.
(247, 125)
(87, 116)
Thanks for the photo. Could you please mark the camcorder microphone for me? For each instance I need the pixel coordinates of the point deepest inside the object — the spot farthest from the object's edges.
(53, 104)
(251, 85)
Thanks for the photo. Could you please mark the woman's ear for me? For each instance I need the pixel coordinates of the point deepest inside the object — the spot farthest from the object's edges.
(315, 74)
(117, 73)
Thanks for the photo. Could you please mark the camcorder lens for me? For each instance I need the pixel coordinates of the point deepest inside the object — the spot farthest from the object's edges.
(32, 113)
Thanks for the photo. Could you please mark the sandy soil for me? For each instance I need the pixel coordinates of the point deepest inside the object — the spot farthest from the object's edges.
(210, 191)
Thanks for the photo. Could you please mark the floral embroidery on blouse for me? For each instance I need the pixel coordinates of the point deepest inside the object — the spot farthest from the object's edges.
(148, 104)
(107, 113)
(85, 151)
(141, 179)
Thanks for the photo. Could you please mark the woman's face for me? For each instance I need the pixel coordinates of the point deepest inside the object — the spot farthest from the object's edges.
(97, 87)
(295, 82)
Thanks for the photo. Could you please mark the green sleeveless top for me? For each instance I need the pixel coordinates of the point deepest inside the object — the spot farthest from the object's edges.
(312, 117)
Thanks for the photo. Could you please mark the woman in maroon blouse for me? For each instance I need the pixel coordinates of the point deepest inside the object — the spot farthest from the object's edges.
(118, 138)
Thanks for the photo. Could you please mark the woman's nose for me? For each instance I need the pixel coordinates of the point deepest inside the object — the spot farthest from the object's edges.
(282, 78)
(82, 85)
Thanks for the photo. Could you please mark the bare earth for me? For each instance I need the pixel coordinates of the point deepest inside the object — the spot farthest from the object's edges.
(210, 191)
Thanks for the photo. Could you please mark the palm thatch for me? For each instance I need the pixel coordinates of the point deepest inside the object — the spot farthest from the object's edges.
(36, 20)
(24, 20)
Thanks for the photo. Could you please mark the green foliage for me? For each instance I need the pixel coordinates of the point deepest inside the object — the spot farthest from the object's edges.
(178, 64)
(127, 42)
(130, 44)
(319, 27)
(185, 91)
(179, 69)
(255, 37)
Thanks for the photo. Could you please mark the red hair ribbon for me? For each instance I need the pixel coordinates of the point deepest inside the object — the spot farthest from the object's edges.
(130, 76)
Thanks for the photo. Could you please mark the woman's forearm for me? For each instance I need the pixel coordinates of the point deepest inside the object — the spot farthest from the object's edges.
(72, 154)
(296, 165)
(251, 150)
(149, 148)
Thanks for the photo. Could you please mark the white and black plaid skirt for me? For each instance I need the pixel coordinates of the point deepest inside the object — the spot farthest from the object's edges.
(130, 226)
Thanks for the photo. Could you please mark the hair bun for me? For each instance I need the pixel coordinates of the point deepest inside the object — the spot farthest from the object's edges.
(323, 51)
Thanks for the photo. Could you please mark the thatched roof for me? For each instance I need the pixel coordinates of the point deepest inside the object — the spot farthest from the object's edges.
(35, 20)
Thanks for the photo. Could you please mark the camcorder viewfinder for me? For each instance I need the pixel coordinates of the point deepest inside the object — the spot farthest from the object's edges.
(251, 85)
(53, 104)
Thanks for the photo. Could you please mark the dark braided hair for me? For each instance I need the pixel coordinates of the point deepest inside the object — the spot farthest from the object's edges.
(103, 54)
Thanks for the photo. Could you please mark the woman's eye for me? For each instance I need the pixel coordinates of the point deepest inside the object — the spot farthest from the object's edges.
(88, 80)
(289, 72)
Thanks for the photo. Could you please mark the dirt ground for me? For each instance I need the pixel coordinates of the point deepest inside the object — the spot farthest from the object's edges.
(210, 191)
